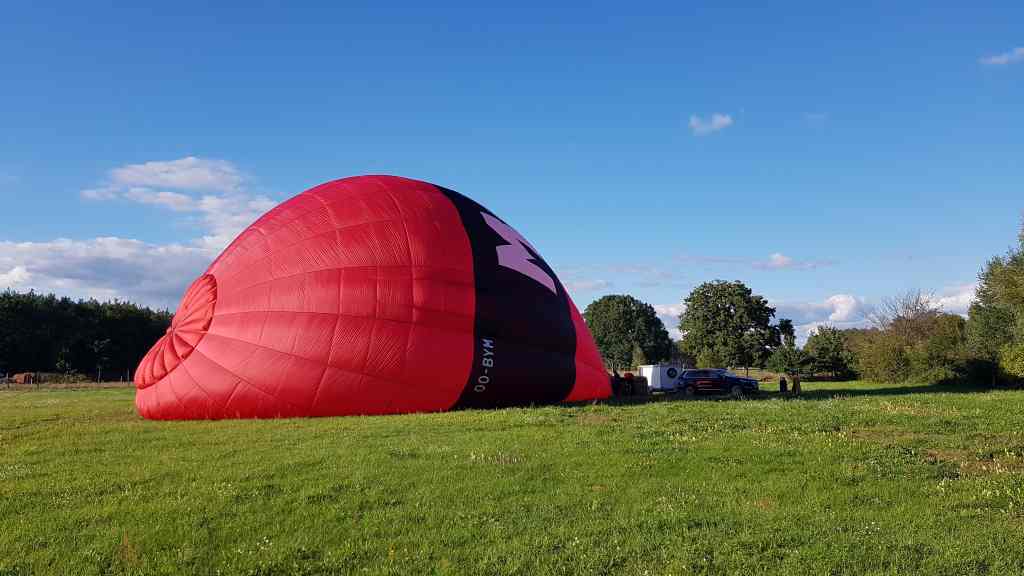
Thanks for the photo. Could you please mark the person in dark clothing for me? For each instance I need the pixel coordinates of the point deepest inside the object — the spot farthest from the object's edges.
(782, 384)
(616, 383)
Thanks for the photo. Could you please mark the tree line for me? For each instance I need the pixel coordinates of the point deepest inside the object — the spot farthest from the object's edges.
(912, 339)
(723, 324)
(909, 337)
(44, 333)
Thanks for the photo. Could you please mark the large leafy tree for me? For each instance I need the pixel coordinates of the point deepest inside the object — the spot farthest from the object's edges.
(728, 319)
(787, 359)
(828, 351)
(786, 332)
(627, 330)
(709, 358)
(757, 345)
(995, 326)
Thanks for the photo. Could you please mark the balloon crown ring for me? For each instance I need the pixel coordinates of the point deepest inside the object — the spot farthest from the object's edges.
(190, 323)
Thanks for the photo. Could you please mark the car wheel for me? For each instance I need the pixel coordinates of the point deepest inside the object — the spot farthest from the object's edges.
(690, 391)
(737, 391)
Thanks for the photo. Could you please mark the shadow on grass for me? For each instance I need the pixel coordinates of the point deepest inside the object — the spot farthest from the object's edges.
(827, 393)
(810, 392)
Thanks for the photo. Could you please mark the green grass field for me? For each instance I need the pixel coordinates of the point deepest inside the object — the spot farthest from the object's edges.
(855, 478)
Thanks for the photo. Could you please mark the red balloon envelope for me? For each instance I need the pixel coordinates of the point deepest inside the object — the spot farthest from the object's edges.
(371, 295)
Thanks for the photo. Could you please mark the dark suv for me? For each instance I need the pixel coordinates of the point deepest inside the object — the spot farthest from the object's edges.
(715, 381)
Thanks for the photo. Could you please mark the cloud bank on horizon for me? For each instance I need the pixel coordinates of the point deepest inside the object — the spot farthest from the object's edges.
(210, 193)
(839, 310)
(215, 196)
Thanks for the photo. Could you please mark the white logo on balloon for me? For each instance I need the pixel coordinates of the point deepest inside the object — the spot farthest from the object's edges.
(515, 256)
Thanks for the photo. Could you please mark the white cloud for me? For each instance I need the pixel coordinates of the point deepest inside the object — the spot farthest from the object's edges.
(151, 274)
(173, 200)
(956, 299)
(588, 279)
(835, 308)
(839, 310)
(779, 260)
(669, 316)
(223, 214)
(775, 261)
(15, 276)
(104, 268)
(845, 308)
(670, 309)
(701, 127)
(226, 216)
(849, 311)
(1015, 55)
(582, 286)
(105, 193)
(188, 173)
(645, 275)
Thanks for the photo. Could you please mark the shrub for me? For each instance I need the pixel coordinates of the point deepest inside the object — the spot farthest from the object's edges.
(882, 357)
(1011, 360)
(827, 351)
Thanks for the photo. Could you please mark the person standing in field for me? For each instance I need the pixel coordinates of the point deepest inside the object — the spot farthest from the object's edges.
(796, 384)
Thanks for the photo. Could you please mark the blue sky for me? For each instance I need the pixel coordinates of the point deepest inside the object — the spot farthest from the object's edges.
(827, 155)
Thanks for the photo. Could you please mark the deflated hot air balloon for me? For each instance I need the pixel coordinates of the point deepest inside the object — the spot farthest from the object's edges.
(371, 295)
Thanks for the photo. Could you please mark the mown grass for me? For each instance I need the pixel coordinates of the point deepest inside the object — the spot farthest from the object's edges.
(855, 478)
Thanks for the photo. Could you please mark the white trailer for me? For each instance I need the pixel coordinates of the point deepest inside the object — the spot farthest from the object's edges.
(661, 377)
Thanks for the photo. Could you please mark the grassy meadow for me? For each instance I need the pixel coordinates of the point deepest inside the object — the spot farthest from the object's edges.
(854, 478)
